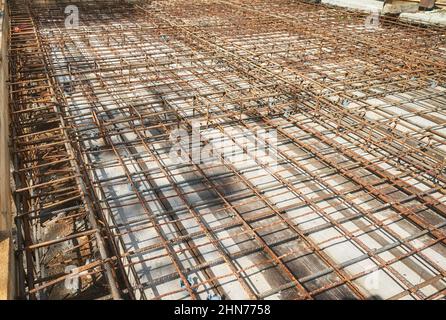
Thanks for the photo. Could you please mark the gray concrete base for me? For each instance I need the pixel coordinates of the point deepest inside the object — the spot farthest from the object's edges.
(436, 17)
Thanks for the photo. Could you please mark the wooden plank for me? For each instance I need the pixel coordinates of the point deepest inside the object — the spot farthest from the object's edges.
(6, 272)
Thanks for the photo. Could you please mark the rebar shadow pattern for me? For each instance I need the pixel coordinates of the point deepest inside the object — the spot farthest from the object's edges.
(348, 201)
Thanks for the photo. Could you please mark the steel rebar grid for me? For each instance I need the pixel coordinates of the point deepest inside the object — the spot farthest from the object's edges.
(55, 226)
(353, 174)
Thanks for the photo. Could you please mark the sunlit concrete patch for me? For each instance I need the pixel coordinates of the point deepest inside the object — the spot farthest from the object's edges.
(363, 5)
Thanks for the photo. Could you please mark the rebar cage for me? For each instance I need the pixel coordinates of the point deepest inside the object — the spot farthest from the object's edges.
(353, 207)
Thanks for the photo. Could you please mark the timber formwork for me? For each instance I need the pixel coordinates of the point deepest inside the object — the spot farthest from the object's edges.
(354, 206)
